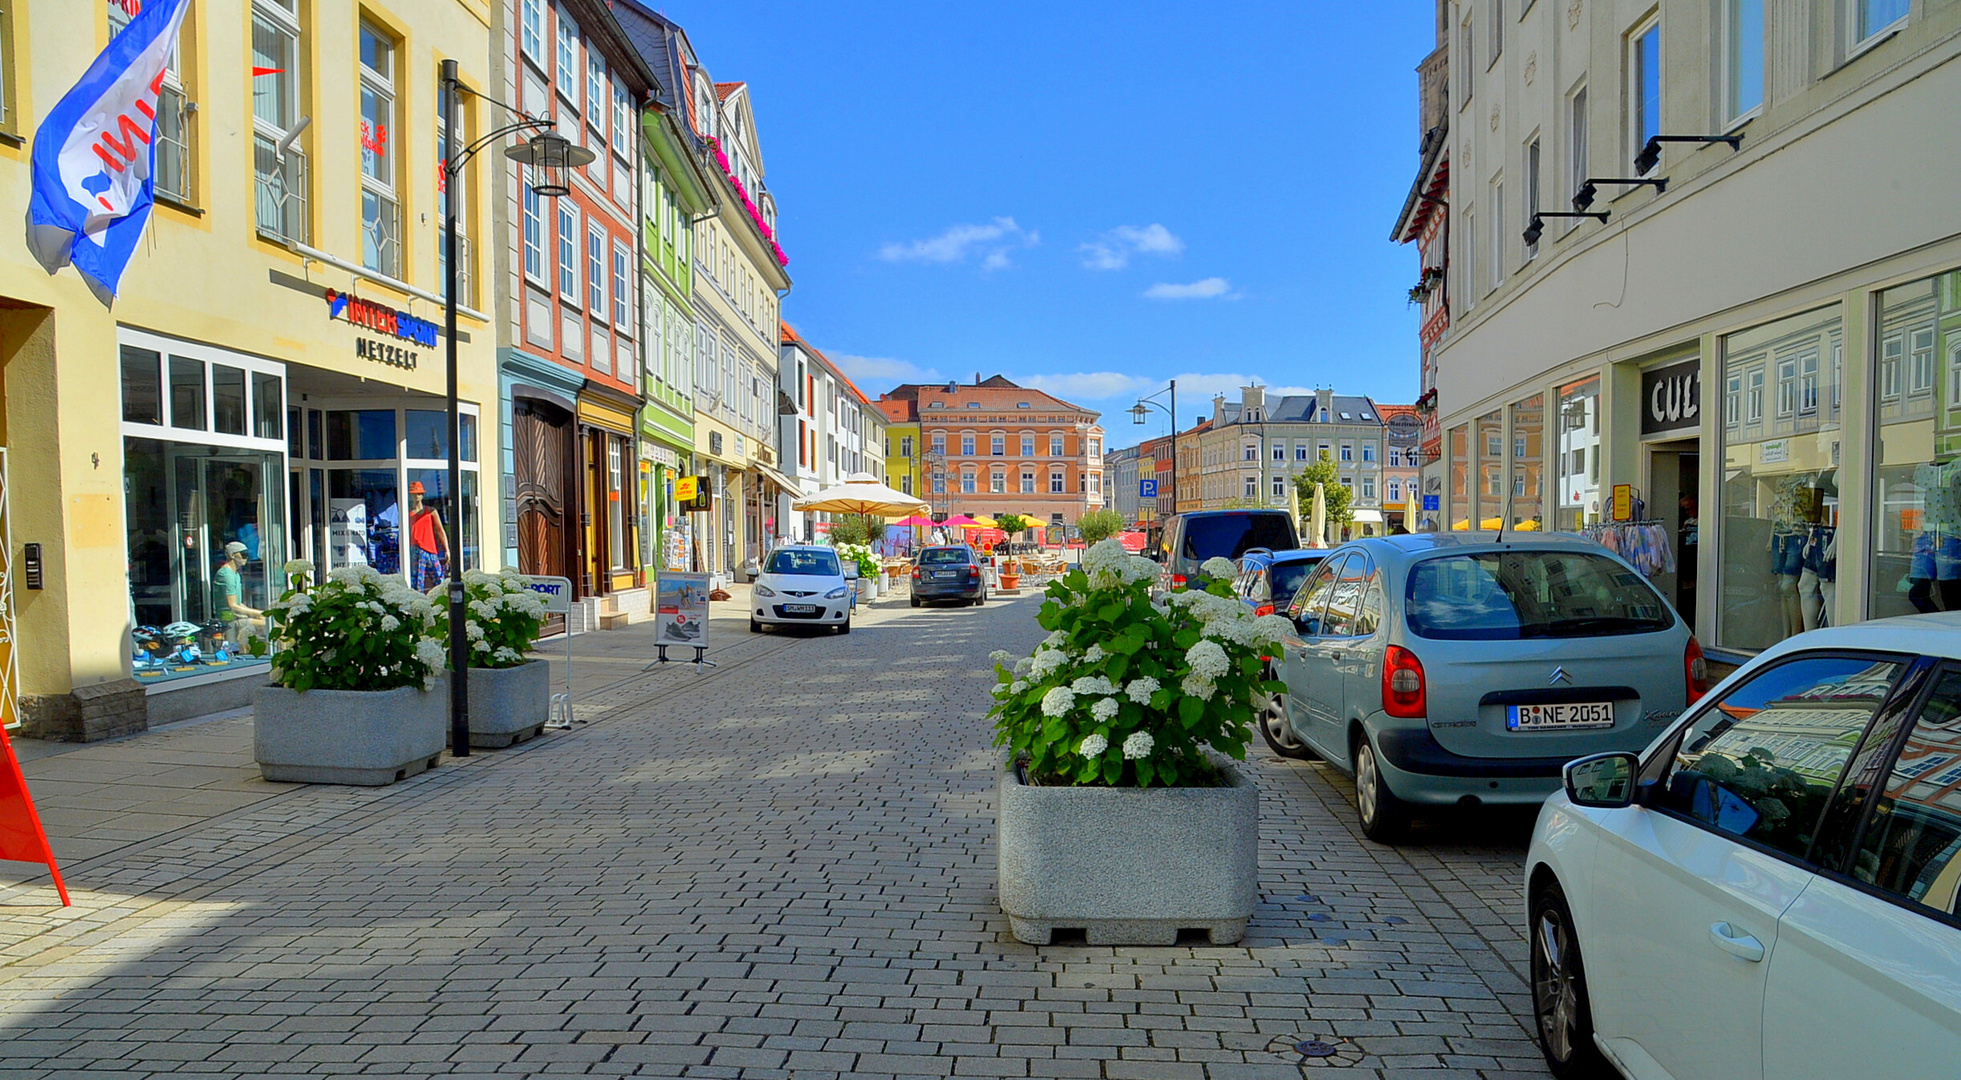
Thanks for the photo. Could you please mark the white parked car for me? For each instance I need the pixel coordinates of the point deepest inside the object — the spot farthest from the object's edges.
(1770, 890)
(802, 585)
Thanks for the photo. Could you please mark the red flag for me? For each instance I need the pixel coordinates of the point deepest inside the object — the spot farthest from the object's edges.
(22, 839)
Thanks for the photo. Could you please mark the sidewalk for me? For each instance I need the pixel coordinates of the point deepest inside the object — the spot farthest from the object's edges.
(98, 798)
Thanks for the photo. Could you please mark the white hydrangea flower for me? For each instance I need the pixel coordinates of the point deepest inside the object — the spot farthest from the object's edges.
(430, 651)
(473, 629)
(1058, 701)
(508, 655)
(299, 604)
(1093, 684)
(1017, 686)
(1047, 662)
(1055, 638)
(483, 646)
(1105, 710)
(1138, 745)
(1273, 627)
(1024, 665)
(1139, 568)
(1208, 661)
(346, 575)
(1001, 656)
(1094, 654)
(1202, 689)
(298, 566)
(1217, 567)
(1093, 746)
(476, 577)
(1140, 690)
(389, 623)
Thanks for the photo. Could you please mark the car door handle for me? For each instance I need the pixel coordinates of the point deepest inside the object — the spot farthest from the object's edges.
(1736, 943)
(1334, 656)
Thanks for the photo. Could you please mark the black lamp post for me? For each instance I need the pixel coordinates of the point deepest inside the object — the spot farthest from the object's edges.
(1139, 412)
(553, 157)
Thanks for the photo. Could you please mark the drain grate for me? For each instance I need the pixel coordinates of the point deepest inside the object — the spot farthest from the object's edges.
(1310, 1049)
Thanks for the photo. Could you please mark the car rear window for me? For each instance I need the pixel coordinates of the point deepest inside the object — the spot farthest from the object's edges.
(1228, 536)
(1506, 595)
(1284, 580)
(946, 556)
(803, 563)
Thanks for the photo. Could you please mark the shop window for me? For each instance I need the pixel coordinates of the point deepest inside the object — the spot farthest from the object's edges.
(142, 386)
(1460, 475)
(1917, 481)
(227, 400)
(1779, 495)
(268, 405)
(187, 393)
(361, 435)
(1491, 469)
(1527, 465)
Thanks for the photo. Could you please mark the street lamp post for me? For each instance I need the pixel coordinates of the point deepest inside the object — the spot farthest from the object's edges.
(1139, 412)
(552, 156)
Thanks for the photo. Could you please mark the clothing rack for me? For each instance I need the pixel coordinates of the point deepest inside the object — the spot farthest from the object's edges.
(1644, 542)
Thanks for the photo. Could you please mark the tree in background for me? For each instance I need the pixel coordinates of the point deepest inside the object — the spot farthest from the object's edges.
(1099, 525)
(857, 529)
(1337, 494)
(1241, 503)
(1013, 525)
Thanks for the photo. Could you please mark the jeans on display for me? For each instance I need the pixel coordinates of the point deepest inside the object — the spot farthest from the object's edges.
(1787, 554)
(1935, 557)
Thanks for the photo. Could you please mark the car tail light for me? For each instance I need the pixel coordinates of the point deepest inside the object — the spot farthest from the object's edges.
(915, 572)
(1403, 692)
(973, 571)
(1696, 669)
(1263, 609)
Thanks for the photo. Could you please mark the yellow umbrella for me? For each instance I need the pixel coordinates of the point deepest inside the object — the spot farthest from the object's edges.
(1318, 517)
(1526, 526)
(986, 522)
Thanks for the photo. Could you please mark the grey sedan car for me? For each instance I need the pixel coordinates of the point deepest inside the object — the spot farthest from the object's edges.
(948, 572)
(1446, 670)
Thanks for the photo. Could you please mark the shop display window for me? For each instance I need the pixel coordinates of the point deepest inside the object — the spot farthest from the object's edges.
(206, 527)
(1460, 474)
(1917, 477)
(1780, 492)
(1528, 470)
(1577, 455)
(1489, 442)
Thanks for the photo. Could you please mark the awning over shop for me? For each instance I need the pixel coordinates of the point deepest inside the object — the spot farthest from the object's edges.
(788, 485)
(1368, 515)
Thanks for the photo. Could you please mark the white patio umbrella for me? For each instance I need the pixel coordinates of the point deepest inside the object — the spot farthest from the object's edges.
(1318, 517)
(861, 493)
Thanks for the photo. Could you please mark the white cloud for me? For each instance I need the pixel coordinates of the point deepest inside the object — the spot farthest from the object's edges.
(1203, 289)
(1091, 385)
(1115, 390)
(1112, 250)
(876, 373)
(991, 243)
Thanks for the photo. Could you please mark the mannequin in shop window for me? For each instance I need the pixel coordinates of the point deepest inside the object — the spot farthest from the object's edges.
(228, 589)
(430, 541)
(1934, 573)
(1804, 549)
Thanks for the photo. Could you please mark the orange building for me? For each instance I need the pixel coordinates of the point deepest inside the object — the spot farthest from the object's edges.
(993, 447)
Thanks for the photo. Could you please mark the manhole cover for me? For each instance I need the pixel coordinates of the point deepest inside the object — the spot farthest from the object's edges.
(1316, 1049)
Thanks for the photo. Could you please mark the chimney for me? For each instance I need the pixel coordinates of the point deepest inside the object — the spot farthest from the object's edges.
(1218, 410)
(1324, 405)
(976, 378)
(1252, 403)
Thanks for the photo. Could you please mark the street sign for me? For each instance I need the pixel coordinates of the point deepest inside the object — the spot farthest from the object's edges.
(1404, 428)
(1433, 503)
(556, 592)
(1147, 489)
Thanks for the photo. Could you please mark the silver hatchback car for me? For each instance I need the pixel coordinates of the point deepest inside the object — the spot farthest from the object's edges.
(1463, 669)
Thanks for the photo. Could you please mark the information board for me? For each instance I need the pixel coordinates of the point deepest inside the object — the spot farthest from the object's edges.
(556, 592)
(681, 610)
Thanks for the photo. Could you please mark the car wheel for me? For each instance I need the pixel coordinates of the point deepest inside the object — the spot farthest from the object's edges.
(915, 601)
(755, 627)
(1385, 818)
(981, 599)
(1559, 995)
(846, 628)
(1273, 725)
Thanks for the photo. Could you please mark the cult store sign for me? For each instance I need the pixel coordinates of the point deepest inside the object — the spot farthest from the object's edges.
(1671, 397)
(400, 325)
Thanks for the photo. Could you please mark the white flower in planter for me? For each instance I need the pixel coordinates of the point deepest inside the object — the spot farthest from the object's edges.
(1001, 656)
(1138, 745)
(1105, 710)
(1202, 689)
(1208, 661)
(430, 652)
(1058, 701)
(389, 623)
(298, 566)
(1047, 662)
(1093, 746)
(1140, 690)
(1094, 654)
(1017, 686)
(508, 656)
(1217, 567)
(1093, 684)
(1273, 627)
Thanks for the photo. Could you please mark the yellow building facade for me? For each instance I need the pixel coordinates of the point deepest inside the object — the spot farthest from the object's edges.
(271, 374)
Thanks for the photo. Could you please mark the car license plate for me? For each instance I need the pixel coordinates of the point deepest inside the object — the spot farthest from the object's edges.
(799, 609)
(944, 575)
(1569, 717)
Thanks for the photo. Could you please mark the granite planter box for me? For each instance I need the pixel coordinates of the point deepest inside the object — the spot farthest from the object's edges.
(1129, 866)
(508, 705)
(366, 737)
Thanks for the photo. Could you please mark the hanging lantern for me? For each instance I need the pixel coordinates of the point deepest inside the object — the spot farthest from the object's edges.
(552, 158)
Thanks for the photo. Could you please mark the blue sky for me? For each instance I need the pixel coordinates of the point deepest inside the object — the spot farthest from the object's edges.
(1090, 198)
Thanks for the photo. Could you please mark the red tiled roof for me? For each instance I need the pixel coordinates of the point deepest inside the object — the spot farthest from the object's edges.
(789, 336)
(724, 89)
(897, 410)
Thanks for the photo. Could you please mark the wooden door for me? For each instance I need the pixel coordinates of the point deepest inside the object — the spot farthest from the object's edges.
(540, 443)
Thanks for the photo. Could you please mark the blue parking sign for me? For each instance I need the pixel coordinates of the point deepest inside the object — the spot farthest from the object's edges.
(1147, 489)
(1432, 502)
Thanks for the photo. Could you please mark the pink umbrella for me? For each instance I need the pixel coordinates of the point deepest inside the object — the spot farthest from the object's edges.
(1132, 541)
(960, 521)
(915, 522)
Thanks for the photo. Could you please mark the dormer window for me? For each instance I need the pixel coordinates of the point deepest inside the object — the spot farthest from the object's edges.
(973, 404)
(1344, 416)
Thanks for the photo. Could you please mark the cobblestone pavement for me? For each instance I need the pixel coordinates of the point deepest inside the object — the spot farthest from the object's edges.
(781, 867)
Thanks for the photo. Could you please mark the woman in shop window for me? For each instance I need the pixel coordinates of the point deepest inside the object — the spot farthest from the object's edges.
(428, 538)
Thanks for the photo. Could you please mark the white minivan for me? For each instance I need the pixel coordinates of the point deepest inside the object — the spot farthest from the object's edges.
(1772, 890)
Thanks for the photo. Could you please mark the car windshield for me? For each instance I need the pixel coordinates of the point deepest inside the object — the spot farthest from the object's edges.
(1506, 595)
(945, 556)
(1285, 578)
(1228, 536)
(804, 563)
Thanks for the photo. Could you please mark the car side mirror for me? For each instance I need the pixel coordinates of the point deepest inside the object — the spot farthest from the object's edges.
(851, 571)
(1602, 781)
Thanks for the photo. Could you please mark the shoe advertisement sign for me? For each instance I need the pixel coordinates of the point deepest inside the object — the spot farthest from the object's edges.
(681, 610)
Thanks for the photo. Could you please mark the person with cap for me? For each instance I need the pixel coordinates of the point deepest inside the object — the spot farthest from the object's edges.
(227, 588)
(427, 537)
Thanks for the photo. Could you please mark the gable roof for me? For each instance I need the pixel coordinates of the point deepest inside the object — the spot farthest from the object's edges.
(724, 89)
(1426, 193)
(789, 336)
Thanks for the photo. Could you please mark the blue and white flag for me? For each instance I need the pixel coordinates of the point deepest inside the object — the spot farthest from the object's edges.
(95, 154)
